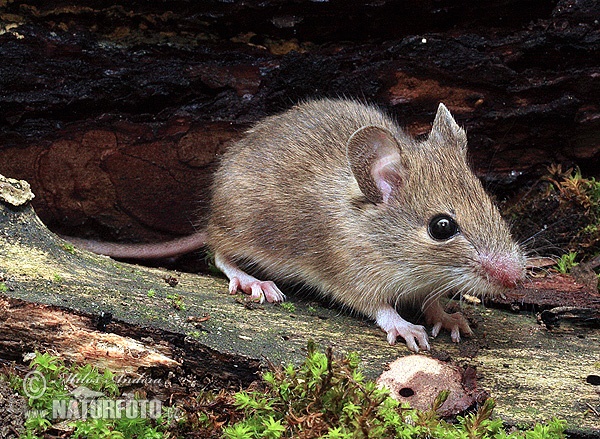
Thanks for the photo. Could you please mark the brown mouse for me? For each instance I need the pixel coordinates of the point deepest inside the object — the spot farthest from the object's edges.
(332, 194)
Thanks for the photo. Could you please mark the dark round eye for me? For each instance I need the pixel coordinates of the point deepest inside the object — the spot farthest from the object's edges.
(442, 227)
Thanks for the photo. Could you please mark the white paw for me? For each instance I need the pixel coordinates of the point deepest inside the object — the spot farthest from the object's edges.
(415, 336)
(395, 326)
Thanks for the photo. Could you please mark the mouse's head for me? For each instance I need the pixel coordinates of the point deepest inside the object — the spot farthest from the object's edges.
(429, 214)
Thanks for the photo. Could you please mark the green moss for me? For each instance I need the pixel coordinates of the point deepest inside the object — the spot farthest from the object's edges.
(586, 192)
(566, 263)
(572, 188)
(288, 306)
(324, 397)
(68, 247)
(329, 398)
(194, 334)
(176, 301)
(562, 208)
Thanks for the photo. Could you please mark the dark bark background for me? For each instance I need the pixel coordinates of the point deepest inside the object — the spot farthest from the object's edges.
(116, 111)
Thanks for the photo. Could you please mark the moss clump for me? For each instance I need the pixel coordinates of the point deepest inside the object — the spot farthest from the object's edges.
(176, 301)
(324, 397)
(68, 247)
(288, 306)
(572, 187)
(566, 263)
(329, 398)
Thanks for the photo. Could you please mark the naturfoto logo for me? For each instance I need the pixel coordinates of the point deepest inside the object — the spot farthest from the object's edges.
(82, 402)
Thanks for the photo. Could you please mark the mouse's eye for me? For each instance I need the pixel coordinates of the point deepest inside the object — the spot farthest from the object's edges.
(442, 227)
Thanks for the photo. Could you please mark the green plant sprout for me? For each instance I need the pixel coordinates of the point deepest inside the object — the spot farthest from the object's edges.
(68, 247)
(288, 306)
(176, 301)
(566, 263)
(194, 334)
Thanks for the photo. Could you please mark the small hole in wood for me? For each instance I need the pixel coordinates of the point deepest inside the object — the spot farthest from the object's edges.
(406, 392)
(594, 380)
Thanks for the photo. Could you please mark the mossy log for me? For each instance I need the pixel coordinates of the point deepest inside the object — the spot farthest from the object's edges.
(89, 308)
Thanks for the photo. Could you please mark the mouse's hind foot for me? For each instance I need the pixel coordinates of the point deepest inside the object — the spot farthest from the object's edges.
(239, 280)
(456, 323)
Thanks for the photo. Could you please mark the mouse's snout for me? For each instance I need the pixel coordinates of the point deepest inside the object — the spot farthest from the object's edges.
(506, 270)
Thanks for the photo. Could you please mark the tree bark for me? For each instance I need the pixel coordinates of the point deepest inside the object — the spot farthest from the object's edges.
(115, 112)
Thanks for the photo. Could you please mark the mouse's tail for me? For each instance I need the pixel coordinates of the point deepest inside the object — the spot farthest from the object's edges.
(158, 250)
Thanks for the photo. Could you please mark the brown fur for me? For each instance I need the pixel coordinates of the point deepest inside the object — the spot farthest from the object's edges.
(334, 195)
(286, 199)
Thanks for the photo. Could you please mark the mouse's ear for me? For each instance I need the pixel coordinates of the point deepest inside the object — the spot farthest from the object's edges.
(376, 162)
(446, 129)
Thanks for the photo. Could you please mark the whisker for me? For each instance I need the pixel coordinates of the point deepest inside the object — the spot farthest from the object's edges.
(544, 229)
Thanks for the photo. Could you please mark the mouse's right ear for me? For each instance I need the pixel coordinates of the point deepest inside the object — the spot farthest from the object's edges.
(376, 162)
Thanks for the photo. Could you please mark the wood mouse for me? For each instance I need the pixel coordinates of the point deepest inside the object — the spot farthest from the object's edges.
(332, 194)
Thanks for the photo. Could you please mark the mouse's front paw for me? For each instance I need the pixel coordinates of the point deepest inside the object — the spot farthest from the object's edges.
(258, 290)
(415, 336)
(456, 323)
(395, 326)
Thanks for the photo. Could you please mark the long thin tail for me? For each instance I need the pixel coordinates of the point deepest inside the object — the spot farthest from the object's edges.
(158, 250)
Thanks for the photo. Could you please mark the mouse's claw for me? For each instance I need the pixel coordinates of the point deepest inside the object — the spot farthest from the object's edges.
(258, 290)
(239, 280)
(395, 326)
(415, 337)
(436, 329)
(456, 323)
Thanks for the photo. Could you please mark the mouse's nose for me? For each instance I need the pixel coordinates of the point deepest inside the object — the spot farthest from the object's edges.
(504, 269)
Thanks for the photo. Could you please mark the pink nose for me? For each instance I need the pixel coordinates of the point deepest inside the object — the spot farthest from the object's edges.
(503, 269)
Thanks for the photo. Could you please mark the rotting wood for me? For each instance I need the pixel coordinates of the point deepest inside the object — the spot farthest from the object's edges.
(28, 327)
